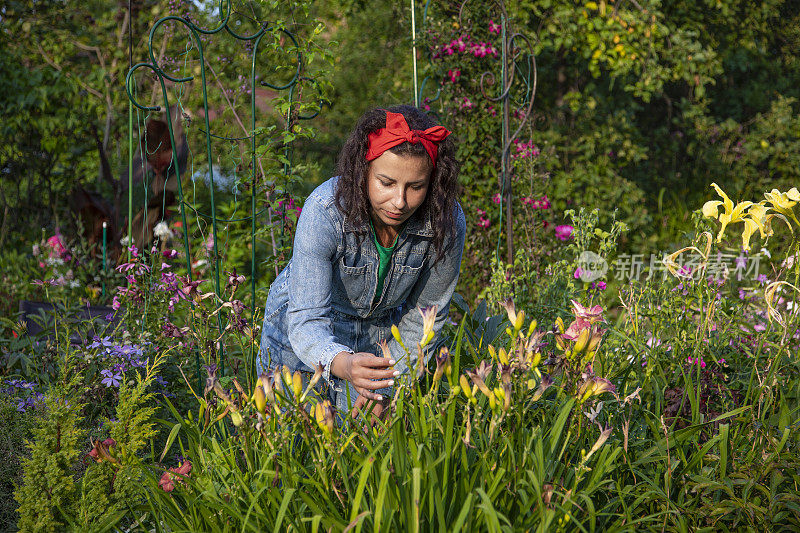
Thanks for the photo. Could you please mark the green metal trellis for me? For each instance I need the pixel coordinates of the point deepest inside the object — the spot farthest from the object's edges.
(291, 116)
(517, 63)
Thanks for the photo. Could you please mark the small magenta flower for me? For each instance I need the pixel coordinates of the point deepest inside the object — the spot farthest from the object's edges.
(563, 232)
(496, 198)
(494, 27)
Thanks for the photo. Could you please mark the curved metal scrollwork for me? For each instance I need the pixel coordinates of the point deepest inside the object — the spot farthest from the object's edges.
(225, 11)
(515, 47)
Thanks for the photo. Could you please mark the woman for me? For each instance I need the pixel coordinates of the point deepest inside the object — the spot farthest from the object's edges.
(372, 245)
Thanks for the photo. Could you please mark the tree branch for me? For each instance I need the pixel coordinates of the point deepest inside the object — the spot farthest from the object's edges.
(58, 67)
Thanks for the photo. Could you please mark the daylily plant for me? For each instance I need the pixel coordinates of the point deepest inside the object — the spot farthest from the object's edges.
(755, 216)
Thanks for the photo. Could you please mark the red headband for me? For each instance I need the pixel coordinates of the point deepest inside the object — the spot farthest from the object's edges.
(397, 132)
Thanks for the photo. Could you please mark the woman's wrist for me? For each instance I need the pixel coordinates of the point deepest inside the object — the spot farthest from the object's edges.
(339, 364)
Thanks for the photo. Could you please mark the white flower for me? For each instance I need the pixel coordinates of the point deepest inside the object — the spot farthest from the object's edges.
(125, 241)
(591, 414)
(162, 231)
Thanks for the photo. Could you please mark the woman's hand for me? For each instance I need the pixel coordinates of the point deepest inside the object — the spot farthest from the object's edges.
(378, 409)
(365, 371)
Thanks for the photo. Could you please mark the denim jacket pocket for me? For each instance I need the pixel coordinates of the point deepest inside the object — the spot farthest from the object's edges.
(403, 281)
(355, 282)
(277, 311)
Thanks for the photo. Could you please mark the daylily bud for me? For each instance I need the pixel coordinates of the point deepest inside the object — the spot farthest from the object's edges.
(560, 325)
(508, 304)
(519, 320)
(581, 341)
(266, 382)
(506, 396)
(318, 370)
(594, 341)
(543, 386)
(387, 354)
(478, 381)
(297, 385)
(531, 327)
(323, 414)
(509, 332)
(426, 339)
(396, 335)
(238, 387)
(260, 399)
(499, 394)
(534, 358)
(492, 352)
(236, 417)
(465, 387)
(277, 380)
(442, 359)
(503, 356)
(560, 343)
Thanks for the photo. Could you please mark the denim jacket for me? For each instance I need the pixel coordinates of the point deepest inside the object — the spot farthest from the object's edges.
(322, 302)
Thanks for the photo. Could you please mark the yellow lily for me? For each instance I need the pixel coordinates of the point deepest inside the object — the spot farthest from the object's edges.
(760, 218)
(732, 213)
(784, 202)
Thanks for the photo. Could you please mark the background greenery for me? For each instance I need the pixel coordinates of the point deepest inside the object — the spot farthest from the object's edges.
(639, 107)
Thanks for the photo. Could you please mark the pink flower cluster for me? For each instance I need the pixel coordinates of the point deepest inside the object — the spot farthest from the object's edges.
(696, 361)
(543, 203)
(525, 150)
(179, 474)
(494, 27)
(467, 104)
(563, 232)
(465, 44)
(453, 74)
(54, 249)
(290, 206)
(483, 222)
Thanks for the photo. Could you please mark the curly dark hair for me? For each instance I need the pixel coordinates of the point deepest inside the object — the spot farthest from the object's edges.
(352, 167)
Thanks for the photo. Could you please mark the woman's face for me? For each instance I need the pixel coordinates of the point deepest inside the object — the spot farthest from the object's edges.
(396, 187)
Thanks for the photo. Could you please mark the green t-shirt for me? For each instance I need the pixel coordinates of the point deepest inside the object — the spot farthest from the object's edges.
(384, 257)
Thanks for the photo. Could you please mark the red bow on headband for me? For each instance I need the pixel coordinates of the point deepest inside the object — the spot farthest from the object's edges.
(397, 132)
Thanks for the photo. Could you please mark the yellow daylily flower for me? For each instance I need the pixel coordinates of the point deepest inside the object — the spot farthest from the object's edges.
(784, 202)
(732, 213)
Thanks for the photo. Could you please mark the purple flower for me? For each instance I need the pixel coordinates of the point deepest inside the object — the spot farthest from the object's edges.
(111, 379)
